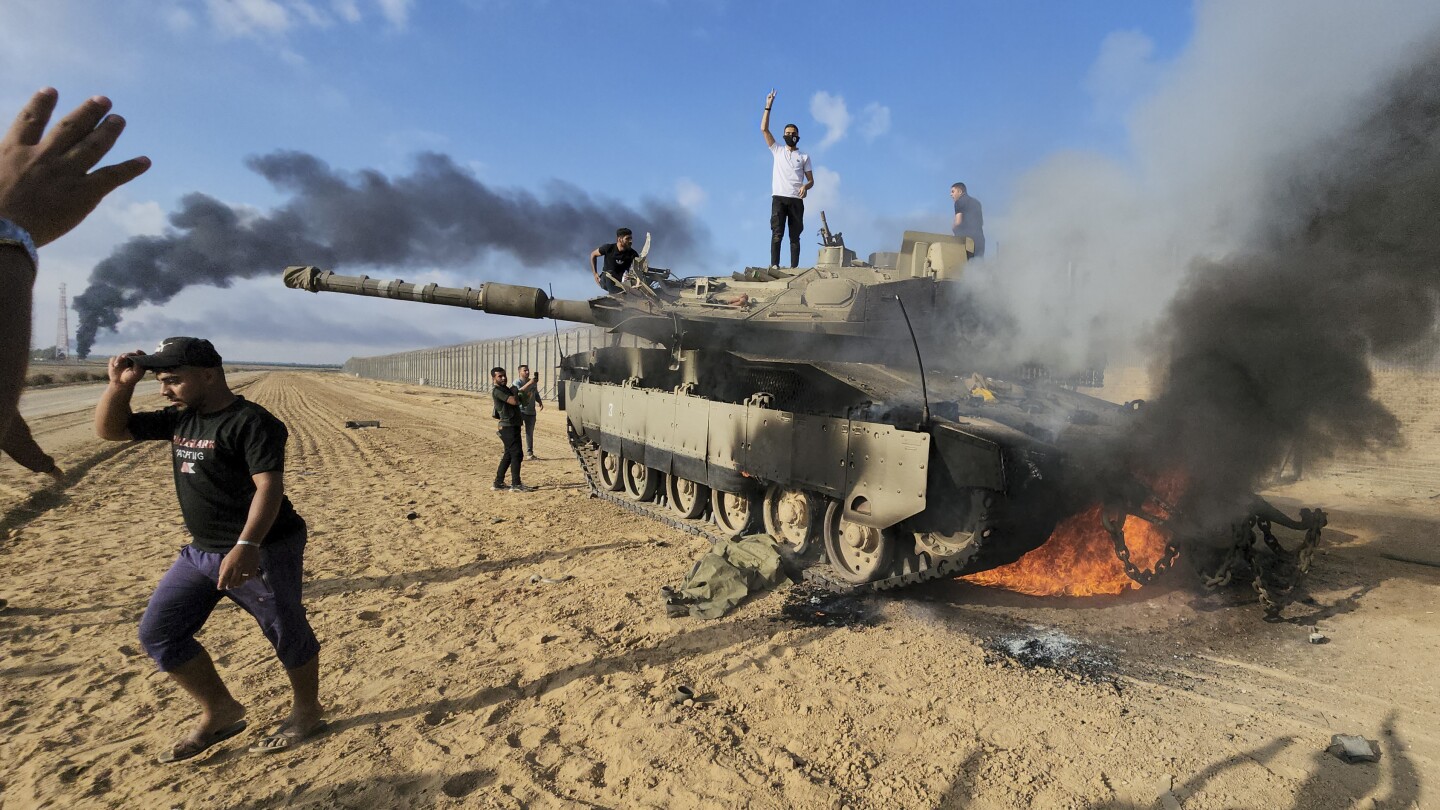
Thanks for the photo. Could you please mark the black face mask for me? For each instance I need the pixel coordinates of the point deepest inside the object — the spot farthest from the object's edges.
(791, 140)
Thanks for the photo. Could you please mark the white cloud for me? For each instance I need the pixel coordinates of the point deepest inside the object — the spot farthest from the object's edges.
(823, 196)
(874, 121)
(178, 19)
(138, 218)
(397, 12)
(689, 194)
(1123, 72)
(830, 111)
(346, 10)
(238, 18)
(275, 18)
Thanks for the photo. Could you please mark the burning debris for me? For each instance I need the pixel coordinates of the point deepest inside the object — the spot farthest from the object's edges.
(811, 604)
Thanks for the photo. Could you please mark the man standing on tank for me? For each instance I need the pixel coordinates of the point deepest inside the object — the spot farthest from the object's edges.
(969, 220)
(790, 179)
(507, 420)
(528, 394)
(618, 255)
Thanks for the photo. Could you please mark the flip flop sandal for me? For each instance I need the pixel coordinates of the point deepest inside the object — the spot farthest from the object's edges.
(282, 739)
(187, 749)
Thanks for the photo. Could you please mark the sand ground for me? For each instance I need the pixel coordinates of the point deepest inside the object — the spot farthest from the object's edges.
(454, 681)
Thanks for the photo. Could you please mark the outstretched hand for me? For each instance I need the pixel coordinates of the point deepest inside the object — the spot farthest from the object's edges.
(46, 186)
(770, 99)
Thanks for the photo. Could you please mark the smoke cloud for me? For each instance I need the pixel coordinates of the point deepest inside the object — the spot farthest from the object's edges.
(1269, 349)
(438, 216)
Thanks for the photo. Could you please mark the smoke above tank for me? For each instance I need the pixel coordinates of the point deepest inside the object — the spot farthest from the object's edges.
(1268, 351)
(437, 216)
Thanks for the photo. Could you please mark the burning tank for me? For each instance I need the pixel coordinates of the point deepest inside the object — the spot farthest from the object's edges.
(835, 406)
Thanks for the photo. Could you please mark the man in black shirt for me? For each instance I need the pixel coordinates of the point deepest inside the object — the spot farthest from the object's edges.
(969, 219)
(247, 541)
(619, 255)
(507, 421)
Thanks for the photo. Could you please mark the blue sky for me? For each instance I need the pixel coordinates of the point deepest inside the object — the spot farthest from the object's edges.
(635, 101)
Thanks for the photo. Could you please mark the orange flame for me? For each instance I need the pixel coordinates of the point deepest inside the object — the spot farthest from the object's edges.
(1079, 558)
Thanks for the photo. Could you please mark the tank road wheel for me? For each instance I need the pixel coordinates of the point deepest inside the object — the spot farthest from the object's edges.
(733, 513)
(858, 553)
(611, 471)
(687, 498)
(792, 517)
(641, 482)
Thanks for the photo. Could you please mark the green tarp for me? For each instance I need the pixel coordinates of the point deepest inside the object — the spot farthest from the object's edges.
(732, 570)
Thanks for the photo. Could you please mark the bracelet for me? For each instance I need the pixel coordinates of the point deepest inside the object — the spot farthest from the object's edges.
(246, 543)
(16, 236)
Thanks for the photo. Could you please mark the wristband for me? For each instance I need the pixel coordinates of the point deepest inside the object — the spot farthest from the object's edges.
(14, 235)
(246, 543)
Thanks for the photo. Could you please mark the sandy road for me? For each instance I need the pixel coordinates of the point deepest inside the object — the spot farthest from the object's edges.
(454, 681)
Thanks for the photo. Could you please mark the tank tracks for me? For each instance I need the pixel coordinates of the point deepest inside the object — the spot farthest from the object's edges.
(914, 568)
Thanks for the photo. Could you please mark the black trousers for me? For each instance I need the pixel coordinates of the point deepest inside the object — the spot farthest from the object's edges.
(510, 436)
(783, 210)
(528, 420)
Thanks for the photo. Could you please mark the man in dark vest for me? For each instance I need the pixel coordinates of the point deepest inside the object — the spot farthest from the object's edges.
(507, 421)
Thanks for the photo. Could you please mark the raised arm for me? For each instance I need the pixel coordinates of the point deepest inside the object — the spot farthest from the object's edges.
(112, 414)
(765, 120)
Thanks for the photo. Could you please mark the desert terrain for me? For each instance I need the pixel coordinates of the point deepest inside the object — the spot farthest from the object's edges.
(453, 679)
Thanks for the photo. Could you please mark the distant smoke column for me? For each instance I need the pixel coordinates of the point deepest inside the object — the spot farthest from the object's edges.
(438, 216)
(1271, 350)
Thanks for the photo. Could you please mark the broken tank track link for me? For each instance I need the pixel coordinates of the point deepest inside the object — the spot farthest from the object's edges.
(911, 567)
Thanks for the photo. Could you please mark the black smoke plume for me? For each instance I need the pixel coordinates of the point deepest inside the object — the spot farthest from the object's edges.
(438, 216)
(1269, 352)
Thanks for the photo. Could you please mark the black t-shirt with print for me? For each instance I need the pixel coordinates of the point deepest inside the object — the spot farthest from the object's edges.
(617, 261)
(215, 455)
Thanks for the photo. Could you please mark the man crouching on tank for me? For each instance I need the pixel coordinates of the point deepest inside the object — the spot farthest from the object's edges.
(247, 542)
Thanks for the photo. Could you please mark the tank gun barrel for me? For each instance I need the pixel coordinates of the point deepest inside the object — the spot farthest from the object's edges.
(497, 299)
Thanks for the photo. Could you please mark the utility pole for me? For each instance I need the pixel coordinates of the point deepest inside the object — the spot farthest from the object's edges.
(62, 336)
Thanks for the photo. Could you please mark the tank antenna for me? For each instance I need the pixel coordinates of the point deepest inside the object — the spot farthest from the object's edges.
(924, 392)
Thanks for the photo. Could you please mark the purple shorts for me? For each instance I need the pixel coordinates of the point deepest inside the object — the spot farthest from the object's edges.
(187, 594)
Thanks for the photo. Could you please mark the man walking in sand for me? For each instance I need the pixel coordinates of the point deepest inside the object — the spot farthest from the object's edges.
(247, 541)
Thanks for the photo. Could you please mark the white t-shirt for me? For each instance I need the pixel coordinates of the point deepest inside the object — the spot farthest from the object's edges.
(788, 176)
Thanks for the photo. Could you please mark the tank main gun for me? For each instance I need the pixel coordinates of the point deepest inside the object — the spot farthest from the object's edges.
(497, 299)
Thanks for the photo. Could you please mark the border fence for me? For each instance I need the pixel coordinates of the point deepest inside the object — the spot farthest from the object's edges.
(466, 366)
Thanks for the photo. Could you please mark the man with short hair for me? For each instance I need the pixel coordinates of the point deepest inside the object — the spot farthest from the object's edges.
(619, 255)
(507, 422)
(247, 542)
(528, 395)
(969, 220)
(790, 179)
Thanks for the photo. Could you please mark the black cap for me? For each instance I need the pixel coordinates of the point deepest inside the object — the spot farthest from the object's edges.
(180, 351)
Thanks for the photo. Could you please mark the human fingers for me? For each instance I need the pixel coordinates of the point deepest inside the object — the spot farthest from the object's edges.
(109, 178)
(97, 142)
(30, 122)
(77, 124)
